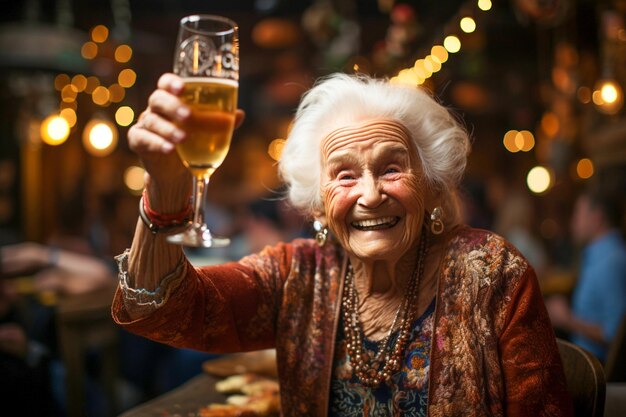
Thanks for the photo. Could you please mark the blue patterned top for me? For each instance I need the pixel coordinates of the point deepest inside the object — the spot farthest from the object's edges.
(407, 392)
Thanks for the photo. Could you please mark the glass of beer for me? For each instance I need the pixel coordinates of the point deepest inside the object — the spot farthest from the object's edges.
(207, 58)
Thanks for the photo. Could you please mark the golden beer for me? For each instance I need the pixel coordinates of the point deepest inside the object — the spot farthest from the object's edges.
(210, 126)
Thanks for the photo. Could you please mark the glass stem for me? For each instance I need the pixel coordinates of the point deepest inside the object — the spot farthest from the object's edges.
(200, 186)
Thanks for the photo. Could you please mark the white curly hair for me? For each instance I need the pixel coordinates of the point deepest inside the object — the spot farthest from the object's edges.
(338, 100)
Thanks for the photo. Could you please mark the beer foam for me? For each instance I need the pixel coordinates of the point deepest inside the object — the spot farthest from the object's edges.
(223, 81)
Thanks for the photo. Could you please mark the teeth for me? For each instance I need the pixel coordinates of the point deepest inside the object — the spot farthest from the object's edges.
(374, 222)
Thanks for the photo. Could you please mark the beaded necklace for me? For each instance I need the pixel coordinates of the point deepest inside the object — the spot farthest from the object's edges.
(372, 371)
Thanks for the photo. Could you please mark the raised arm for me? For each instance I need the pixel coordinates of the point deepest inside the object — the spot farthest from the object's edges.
(167, 184)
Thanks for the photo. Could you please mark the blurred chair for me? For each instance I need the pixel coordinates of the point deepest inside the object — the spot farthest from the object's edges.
(84, 322)
(615, 366)
(585, 379)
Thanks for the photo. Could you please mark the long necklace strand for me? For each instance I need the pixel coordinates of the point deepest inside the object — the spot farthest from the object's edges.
(372, 371)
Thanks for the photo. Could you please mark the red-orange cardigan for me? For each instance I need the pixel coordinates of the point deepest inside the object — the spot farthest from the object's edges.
(493, 351)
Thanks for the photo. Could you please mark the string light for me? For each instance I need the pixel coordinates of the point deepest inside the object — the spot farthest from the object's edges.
(100, 137)
(452, 44)
(484, 5)
(468, 25)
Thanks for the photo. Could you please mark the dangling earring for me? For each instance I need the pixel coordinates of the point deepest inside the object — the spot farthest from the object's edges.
(321, 233)
(436, 224)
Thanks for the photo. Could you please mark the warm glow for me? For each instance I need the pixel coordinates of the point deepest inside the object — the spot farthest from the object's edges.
(61, 81)
(124, 116)
(99, 33)
(69, 115)
(79, 82)
(68, 94)
(92, 83)
(89, 50)
(609, 93)
(484, 5)
(584, 168)
(116, 93)
(440, 53)
(528, 140)
(54, 130)
(433, 62)
(468, 25)
(275, 149)
(127, 78)
(550, 124)
(100, 96)
(510, 141)
(134, 179)
(539, 179)
(452, 44)
(123, 53)
(409, 77)
(608, 96)
(100, 137)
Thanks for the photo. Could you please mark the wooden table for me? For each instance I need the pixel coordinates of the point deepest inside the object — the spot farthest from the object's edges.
(184, 401)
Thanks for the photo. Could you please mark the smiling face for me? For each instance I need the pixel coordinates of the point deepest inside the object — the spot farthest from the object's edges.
(373, 189)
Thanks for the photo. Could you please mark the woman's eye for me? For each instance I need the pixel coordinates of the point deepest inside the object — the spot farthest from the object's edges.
(345, 177)
(392, 170)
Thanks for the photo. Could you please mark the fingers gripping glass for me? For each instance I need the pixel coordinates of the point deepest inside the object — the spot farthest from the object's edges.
(207, 58)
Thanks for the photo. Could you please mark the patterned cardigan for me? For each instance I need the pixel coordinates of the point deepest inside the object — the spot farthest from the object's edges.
(493, 351)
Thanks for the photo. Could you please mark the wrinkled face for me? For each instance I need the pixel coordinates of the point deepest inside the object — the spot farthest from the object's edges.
(373, 189)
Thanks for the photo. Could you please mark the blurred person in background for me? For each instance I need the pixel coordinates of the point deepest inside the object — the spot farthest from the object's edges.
(598, 303)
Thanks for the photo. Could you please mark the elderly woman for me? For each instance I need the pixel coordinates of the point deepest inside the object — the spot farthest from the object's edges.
(394, 308)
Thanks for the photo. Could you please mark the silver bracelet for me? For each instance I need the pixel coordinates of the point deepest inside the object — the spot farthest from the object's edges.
(142, 296)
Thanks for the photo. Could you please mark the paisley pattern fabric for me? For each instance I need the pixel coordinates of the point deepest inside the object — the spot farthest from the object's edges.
(407, 392)
(493, 350)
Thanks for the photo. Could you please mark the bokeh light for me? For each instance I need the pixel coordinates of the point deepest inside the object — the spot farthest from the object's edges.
(584, 168)
(550, 124)
(123, 53)
(79, 81)
(467, 24)
(124, 116)
(134, 179)
(69, 115)
(509, 141)
(68, 93)
(61, 81)
(100, 137)
(89, 50)
(440, 53)
(127, 78)
(452, 44)
(275, 149)
(539, 179)
(99, 33)
(608, 96)
(484, 5)
(54, 130)
(100, 96)
(116, 93)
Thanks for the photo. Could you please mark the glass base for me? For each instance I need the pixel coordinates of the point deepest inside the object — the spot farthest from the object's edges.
(198, 238)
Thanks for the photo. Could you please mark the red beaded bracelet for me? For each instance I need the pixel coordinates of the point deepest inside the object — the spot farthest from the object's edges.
(158, 222)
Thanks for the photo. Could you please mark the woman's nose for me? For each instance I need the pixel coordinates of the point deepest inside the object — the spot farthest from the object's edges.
(372, 194)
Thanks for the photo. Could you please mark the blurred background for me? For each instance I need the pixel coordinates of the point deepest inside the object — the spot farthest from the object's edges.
(538, 84)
